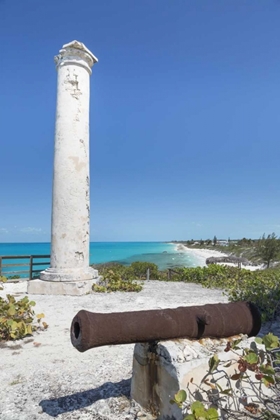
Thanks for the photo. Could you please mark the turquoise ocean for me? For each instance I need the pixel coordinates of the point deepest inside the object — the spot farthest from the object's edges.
(163, 254)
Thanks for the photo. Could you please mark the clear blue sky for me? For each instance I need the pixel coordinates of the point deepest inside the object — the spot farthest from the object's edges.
(185, 116)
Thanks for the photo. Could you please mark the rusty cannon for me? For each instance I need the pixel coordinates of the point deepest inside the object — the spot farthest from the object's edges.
(89, 329)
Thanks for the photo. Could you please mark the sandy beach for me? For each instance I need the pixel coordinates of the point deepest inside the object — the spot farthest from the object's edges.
(202, 254)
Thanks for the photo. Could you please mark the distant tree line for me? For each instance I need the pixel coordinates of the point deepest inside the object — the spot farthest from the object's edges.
(267, 248)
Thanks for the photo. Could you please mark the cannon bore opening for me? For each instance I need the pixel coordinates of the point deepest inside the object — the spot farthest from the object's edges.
(77, 330)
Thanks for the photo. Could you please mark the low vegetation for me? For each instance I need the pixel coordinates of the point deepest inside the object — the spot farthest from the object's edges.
(261, 287)
(243, 393)
(117, 279)
(137, 270)
(17, 317)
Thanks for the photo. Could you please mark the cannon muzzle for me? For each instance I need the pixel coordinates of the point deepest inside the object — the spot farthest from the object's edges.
(89, 329)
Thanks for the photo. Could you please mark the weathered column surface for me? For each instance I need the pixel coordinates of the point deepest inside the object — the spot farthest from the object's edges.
(69, 272)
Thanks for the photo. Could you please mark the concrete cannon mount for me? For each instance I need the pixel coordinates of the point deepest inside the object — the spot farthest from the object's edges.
(162, 369)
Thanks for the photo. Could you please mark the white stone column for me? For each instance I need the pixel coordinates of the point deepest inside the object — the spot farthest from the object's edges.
(70, 201)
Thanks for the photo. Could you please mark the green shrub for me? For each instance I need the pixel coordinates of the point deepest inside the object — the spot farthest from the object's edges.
(117, 277)
(210, 276)
(139, 270)
(2, 281)
(251, 371)
(17, 317)
(261, 287)
(124, 271)
(113, 282)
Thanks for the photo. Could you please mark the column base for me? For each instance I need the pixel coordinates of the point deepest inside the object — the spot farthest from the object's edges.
(72, 282)
(68, 274)
(70, 288)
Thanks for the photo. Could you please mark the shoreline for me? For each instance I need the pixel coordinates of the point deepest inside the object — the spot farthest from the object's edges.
(203, 254)
(183, 255)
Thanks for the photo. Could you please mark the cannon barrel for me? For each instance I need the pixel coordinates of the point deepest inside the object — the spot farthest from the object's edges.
(89, 329)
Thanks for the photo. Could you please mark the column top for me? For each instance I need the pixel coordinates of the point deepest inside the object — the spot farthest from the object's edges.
(75, 53)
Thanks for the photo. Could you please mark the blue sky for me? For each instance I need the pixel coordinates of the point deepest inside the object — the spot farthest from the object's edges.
(185, 116)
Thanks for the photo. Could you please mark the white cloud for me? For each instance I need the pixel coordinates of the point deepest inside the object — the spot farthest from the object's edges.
(3, 231)
(31, 230)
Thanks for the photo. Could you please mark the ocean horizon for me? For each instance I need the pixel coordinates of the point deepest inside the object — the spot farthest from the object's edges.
(163, 254)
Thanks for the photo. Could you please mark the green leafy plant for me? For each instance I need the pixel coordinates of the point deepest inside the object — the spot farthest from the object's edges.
(113, 282)
(199, 411)
(139, 270)
(2, 281)
(270, 341)
(117, 277)
(17, 317)
(261, 287)
(244, 395)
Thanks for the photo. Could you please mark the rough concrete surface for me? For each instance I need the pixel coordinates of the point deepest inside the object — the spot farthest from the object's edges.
(45, 377)
(70, 288)
(70, 199)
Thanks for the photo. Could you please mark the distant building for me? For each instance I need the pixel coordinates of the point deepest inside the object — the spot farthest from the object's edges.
(222, 242)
